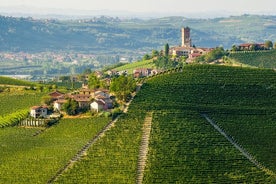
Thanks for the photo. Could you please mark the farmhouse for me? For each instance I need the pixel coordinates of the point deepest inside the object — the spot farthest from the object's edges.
(98, 105)
(59, 102)
(142, 72)
(83, 100)
(56, 94)
(39, 111)
(250, 46)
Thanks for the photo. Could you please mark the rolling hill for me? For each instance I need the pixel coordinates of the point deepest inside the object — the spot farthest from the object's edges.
(183, 146)
(111, 36)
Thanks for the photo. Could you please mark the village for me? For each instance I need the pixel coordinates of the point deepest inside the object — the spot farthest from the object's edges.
(97, 100)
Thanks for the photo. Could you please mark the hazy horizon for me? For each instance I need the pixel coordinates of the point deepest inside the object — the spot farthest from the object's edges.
(141, 8)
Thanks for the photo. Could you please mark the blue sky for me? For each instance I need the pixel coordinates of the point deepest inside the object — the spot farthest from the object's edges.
(168, 6)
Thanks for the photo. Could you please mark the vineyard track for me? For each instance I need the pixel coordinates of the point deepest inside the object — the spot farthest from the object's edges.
(82, 152)
(144, 148)
(239, 147)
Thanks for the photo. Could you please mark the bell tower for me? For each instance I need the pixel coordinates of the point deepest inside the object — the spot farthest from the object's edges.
(185, 37)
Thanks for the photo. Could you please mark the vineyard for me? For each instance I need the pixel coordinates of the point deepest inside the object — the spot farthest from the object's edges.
(261, 59)
(15, 82)
(26, 158)
(183, 146)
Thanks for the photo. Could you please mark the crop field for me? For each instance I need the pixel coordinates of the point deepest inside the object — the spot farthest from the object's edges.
(261, 59)
(184, 147)
(11, 103)
(26, 158)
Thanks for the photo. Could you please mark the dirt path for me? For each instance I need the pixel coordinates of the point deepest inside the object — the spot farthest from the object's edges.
(239, 147)
(144, 148)
(85, 148)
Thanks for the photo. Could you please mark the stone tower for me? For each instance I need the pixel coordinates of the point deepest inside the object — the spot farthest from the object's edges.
(185, 36)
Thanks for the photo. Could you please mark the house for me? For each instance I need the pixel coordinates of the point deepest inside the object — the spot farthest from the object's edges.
(180, 51)
(58, 103)
(98, 105)
(39, 111)
(99, 74)
(249, 46)
(83, 100)
(56, 94)
(112, 72)
(103, 93)
(142, 72)
(86, 91)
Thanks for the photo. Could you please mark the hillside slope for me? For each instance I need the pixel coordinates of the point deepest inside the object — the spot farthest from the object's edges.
(183, 146)
(261, 59)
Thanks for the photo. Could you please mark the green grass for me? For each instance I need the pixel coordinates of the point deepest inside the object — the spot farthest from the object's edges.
(138, 64)
(28, 159)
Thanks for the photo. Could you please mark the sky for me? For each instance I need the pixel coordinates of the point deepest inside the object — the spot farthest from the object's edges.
(158, 6)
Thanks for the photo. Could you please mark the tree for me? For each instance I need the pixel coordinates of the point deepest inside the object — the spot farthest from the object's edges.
(274, 45)
(146, 57)
(47, 100)
(268, 44)
(164, 63)
(122, 87)
(71, 107)
(93, 81)
(167, 48)
(234, 48)
(154, 53)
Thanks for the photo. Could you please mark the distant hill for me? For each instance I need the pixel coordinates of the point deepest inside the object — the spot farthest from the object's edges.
(130, 36)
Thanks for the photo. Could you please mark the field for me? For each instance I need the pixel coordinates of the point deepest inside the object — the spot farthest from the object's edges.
(261, 59)
(138, 64)
(26, 158)
(184, 147)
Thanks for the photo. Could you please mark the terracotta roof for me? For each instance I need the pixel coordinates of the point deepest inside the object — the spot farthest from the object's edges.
(39, 107)
(56, 94)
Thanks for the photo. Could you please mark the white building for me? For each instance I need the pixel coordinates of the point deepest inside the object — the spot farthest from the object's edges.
(39, 111)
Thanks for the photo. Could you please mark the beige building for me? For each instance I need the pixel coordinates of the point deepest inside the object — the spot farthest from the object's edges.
(186, 37)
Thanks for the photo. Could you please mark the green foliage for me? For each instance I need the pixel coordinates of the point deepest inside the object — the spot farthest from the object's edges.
(165, 63)
(146, 57)
(14, 118)
(70, 106)
(123, 86)
(38, 158)
(215, 54)
(268, 44)
(154, 53)
(94, 82)
(262, 59)
(167, 49)
(47, 100)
